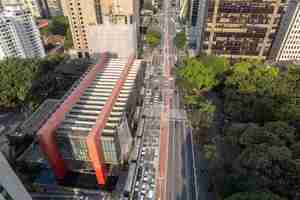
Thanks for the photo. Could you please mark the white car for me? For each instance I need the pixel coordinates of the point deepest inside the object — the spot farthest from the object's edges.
(145, 179)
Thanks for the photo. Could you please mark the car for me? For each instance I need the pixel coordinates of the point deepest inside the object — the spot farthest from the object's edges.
(137, 183)
(145, 179)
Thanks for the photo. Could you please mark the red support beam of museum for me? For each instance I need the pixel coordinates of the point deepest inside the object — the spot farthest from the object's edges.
(46, 134)
(94, 138)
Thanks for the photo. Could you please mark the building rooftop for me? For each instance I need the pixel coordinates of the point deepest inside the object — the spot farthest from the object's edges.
(83, 115)
(36, 120)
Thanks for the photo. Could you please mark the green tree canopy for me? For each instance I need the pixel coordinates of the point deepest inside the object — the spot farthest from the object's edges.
(153, 38)
(180, 40)
(68, 43)
(249, 78)
(255, 196)
(257, 135)
(236, 184)
(217, 63)
(59, 25)
(259, 93)
(282, 130)
(296, 150)
(16, 77)
(22, 80)
(201, 74)
(272, 167)
(195, 76)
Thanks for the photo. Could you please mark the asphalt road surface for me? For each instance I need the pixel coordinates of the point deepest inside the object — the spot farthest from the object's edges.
(180, 172)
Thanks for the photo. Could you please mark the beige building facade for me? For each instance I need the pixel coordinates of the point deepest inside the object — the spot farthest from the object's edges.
(90, 17)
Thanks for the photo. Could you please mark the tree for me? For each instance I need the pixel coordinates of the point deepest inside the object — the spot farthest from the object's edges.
(257, 135)
(180, 40)
(210, 151)
(68, 43)
(296, 150)
(282, 130)
(272, 167)
(257, 92)
(27, 81)
(196, 77)
(255, 196)
(219, 64)
(201, 74)
(249, 78)
(250, 92)
(237, 184)
(45, 31)
(59, 25)
(16, 77)
(153, 38)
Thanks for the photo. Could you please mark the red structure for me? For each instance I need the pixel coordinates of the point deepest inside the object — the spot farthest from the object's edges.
(43, 23)
(46, 134)
(93, 140)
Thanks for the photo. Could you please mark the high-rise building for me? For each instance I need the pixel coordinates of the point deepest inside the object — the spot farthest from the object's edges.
(103, 25)
(11, 188)
(287, 43)
(196, 21)
(34, 6)
(55, 8)
(20, 36)
(241, 29)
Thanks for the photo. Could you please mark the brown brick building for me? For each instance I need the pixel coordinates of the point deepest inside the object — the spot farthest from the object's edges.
(241, 28)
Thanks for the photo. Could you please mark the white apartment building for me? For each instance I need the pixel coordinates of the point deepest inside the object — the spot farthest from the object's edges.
(287, 43)
(19, 36)
(34, 6)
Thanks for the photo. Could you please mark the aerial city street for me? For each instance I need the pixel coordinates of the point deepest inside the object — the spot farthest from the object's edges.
(149, 99)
